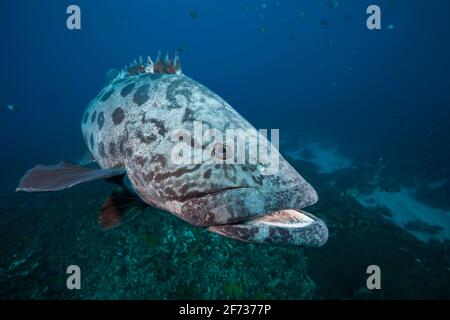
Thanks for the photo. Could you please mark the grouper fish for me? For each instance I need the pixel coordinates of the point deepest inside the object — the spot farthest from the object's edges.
(128, 129)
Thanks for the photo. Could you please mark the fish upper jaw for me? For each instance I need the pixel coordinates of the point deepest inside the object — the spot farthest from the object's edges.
(221, 207)
(238, 204)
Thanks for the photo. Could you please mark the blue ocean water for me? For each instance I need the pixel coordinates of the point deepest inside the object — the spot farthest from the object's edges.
(363, 115)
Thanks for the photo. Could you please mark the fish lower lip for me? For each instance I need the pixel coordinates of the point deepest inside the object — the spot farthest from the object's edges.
(289, 227)
(285, 218)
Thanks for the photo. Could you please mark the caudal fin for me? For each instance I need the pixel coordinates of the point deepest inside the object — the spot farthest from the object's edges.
(61, 176)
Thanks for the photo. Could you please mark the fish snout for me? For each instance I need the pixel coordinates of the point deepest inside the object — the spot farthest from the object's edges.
(237, 204)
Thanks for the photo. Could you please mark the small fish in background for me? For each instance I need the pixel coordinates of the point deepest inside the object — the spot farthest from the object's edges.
(390, 27)
(278, 4)
(433, 131)
(324, 23)
(12, 108)
(347, 18)
(248, 9)
(292, 36)
(262, 29)
(122, 17)
(55, 96)
(183, 49)
(301, 15)
(400, 120)
(264, 6)
(193, 14)
(332, 3)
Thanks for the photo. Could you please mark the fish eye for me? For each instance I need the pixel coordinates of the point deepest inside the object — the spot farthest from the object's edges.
(220, 151)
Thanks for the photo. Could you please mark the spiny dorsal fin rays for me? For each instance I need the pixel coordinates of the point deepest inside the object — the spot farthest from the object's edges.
(167, 60)
(168, 66)
(149, 66)
(177, 63)
(158, 67)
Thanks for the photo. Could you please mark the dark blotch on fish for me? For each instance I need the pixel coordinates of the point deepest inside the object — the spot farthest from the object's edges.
(86, 118)
(101, 150)
(107, 95)
(118, 116)
(140, 160)
(141, 96)
(101, 120)
(128, 152)
(127, 89)
(207, 174)
(94, 116)
(173, 89)
(160, 159)
(122, 140)
(159, 126)
(188, 115)
(146, 139)
(112, 149)
(91, 140)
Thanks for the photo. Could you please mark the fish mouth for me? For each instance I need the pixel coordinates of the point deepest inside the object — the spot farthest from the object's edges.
(286, 227)
(248, 214)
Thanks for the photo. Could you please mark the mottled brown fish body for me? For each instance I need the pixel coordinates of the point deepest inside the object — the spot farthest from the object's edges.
(130, 125)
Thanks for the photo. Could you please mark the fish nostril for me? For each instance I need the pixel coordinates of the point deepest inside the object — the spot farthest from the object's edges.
(261, 167)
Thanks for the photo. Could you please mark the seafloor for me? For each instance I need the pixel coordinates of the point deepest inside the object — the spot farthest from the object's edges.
(158, 256)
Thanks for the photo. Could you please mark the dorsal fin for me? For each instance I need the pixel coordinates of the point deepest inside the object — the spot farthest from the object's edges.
(177, 64)
(168, 66)
(158, 67)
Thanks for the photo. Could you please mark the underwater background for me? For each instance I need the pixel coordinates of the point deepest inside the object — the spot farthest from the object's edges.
(364, 116)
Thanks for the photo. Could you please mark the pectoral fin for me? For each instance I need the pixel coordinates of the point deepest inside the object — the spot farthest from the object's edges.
(62, 176)
(120, 207)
